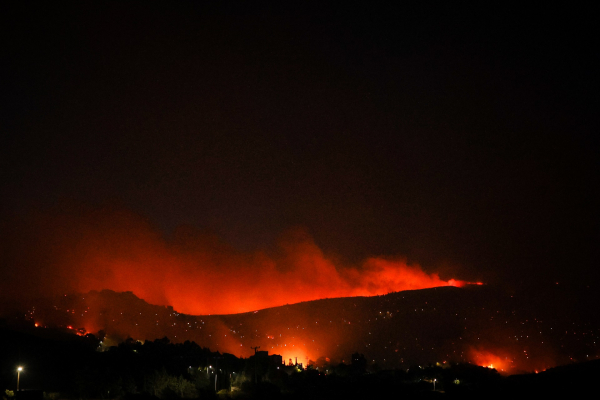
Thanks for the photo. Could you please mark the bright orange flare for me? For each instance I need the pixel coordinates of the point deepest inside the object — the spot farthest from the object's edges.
(197, 273)
(208, 282)
(491, 360)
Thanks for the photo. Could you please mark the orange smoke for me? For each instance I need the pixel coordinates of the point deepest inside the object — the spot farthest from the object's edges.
(194, 272)
(500, 363)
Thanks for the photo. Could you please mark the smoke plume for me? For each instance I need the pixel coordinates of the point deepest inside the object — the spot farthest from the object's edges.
(78, 250)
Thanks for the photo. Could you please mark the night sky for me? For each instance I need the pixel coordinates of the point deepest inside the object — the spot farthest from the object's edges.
(459, 139)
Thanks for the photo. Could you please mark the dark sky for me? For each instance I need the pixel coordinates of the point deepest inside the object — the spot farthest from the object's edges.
(460, 138)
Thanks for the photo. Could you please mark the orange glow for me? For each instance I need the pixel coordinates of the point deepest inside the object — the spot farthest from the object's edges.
(224, 284)
(197, 273)
(292, 351)
(502, 364)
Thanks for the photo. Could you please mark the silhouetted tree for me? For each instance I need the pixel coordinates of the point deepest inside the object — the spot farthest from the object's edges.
(359, 363)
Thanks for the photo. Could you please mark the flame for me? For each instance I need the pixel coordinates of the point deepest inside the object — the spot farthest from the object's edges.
(195, 272)
(500, 363)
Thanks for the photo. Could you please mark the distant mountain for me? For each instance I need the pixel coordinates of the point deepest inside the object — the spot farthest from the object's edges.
(442, 325)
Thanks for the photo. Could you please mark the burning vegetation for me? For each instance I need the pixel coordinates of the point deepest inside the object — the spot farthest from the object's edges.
(194, 272)
(171, 287)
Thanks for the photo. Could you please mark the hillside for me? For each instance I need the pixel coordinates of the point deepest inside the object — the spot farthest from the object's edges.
(477, 324)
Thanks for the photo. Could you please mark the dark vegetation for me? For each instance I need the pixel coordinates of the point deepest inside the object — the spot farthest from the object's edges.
(63, 365)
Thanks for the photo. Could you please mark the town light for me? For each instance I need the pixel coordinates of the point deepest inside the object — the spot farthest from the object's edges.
(19, 369)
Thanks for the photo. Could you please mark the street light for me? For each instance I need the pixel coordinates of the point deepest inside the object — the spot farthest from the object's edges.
(19, 369)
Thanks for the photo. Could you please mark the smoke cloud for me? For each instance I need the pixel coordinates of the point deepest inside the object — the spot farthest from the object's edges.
(78, 250)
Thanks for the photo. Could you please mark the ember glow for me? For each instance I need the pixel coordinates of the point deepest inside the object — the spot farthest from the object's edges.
(195, 272)
(484, 358)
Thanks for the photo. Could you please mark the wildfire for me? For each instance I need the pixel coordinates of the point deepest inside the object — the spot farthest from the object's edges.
(491, 360)
(197, 273)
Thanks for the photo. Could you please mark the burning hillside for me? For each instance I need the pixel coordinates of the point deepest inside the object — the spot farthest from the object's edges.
(401, 329)
(195, 272)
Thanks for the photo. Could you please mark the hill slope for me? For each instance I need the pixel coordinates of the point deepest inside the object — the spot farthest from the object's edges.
(475, 324)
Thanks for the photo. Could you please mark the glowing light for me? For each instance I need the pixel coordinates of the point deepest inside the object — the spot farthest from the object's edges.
(490, 360)
(182, 272)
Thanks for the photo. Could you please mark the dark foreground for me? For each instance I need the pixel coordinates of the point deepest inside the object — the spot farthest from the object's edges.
(60, 365)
